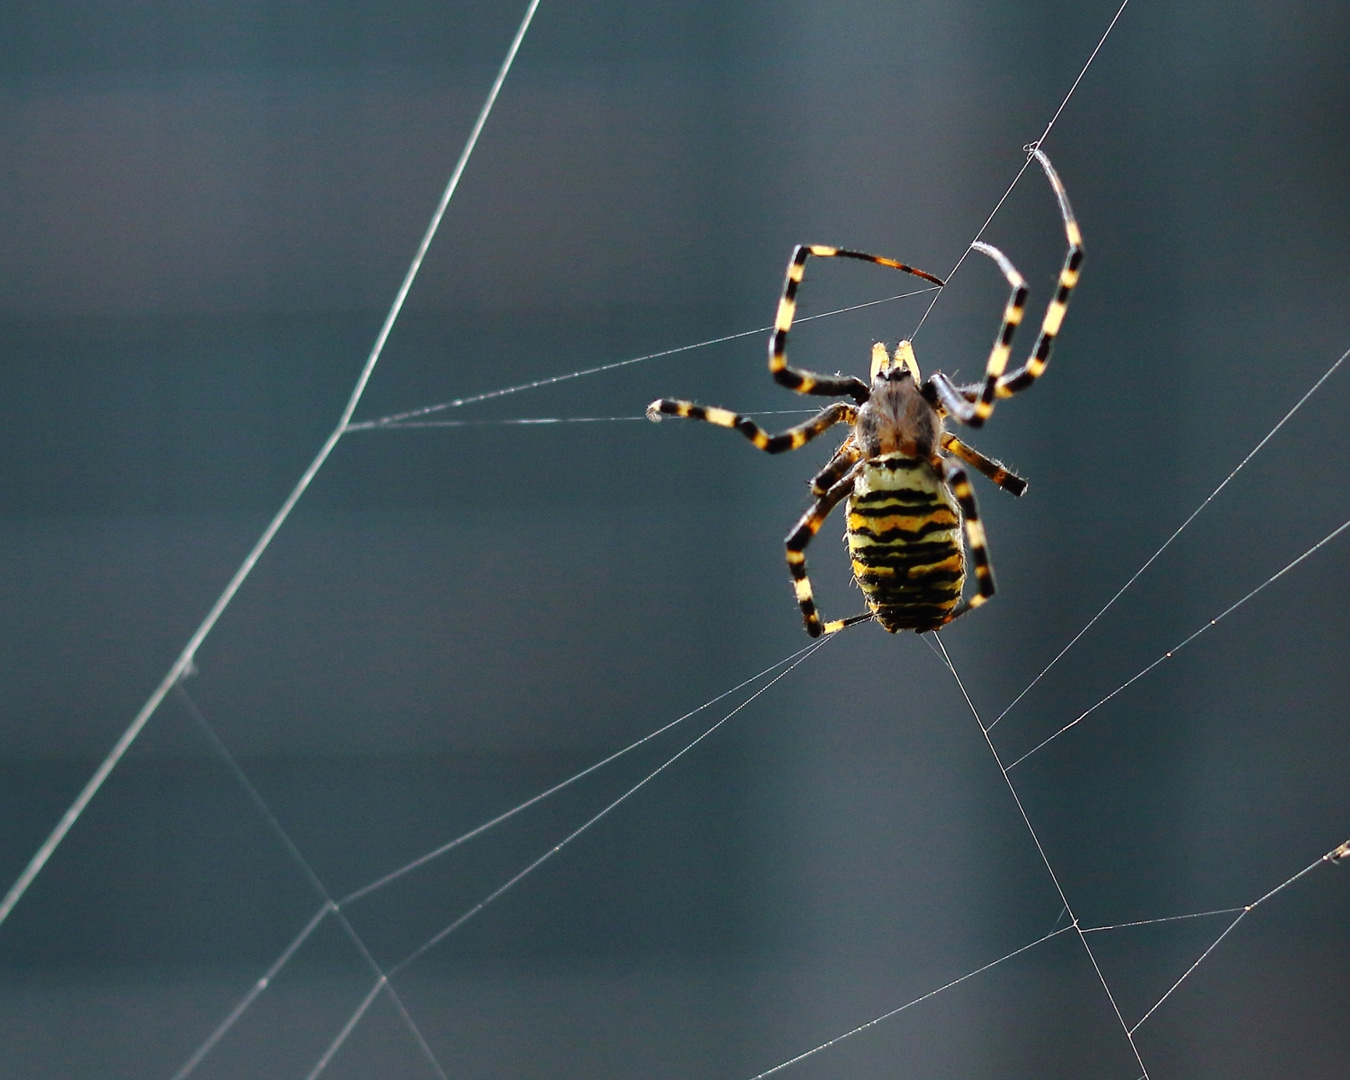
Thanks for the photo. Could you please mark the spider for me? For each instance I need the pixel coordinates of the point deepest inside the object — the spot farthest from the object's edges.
(908, 499)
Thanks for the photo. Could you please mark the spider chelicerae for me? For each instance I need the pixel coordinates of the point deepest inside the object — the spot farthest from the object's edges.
(909, 498)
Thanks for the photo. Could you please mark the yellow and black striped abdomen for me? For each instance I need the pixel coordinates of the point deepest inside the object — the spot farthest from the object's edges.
(904, 536)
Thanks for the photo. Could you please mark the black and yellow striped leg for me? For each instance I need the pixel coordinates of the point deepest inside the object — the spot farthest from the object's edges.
(996, 471)
(1029, 372)
(1012, 318)
(844, 459)
(974, 528)
(795, 437)
(796, 543)
(807, 382)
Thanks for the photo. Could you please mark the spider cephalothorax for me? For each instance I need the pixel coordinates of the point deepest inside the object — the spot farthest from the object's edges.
(909, 500)
(896, 417)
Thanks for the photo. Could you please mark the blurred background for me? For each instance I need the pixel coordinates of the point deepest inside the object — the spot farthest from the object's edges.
(205, 210)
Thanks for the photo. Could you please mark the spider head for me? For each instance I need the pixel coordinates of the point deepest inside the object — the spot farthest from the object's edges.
(888, 367)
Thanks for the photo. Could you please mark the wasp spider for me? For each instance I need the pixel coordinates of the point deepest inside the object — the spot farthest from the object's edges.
(909, 499)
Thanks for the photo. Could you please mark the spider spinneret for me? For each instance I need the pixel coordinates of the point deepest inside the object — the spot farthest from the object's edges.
(911, 511)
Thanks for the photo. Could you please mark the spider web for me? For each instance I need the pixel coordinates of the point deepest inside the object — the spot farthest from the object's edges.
(333, 908)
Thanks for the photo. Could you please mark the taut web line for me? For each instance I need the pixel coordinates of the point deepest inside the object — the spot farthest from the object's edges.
(1163, 919)
(398, 419)
(185, 658)
(545, 420)
(909, 1004)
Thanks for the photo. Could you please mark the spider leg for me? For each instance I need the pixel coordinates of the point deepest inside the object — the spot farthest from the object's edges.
(998, 355)
(996, 471)
(1028, 373)
(796, 542)
(979, 550)
(807, 382)
(791, 439)
(844, 459)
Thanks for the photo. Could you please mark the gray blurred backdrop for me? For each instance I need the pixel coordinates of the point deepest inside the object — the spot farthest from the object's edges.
(205, 210)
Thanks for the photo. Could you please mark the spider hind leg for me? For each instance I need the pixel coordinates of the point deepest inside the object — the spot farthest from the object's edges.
(801, 535)
(959, 483)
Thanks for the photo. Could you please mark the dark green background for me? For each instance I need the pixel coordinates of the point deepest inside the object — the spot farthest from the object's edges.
(204, 213)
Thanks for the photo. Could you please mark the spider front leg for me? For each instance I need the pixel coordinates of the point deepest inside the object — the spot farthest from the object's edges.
(1028, 373)
(1012, 318)
(974, 404)
(996, 383)
(796, 542)
(792, 439)
(808, 382)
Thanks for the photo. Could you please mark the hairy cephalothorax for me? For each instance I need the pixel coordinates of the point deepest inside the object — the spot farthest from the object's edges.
(897, 418)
